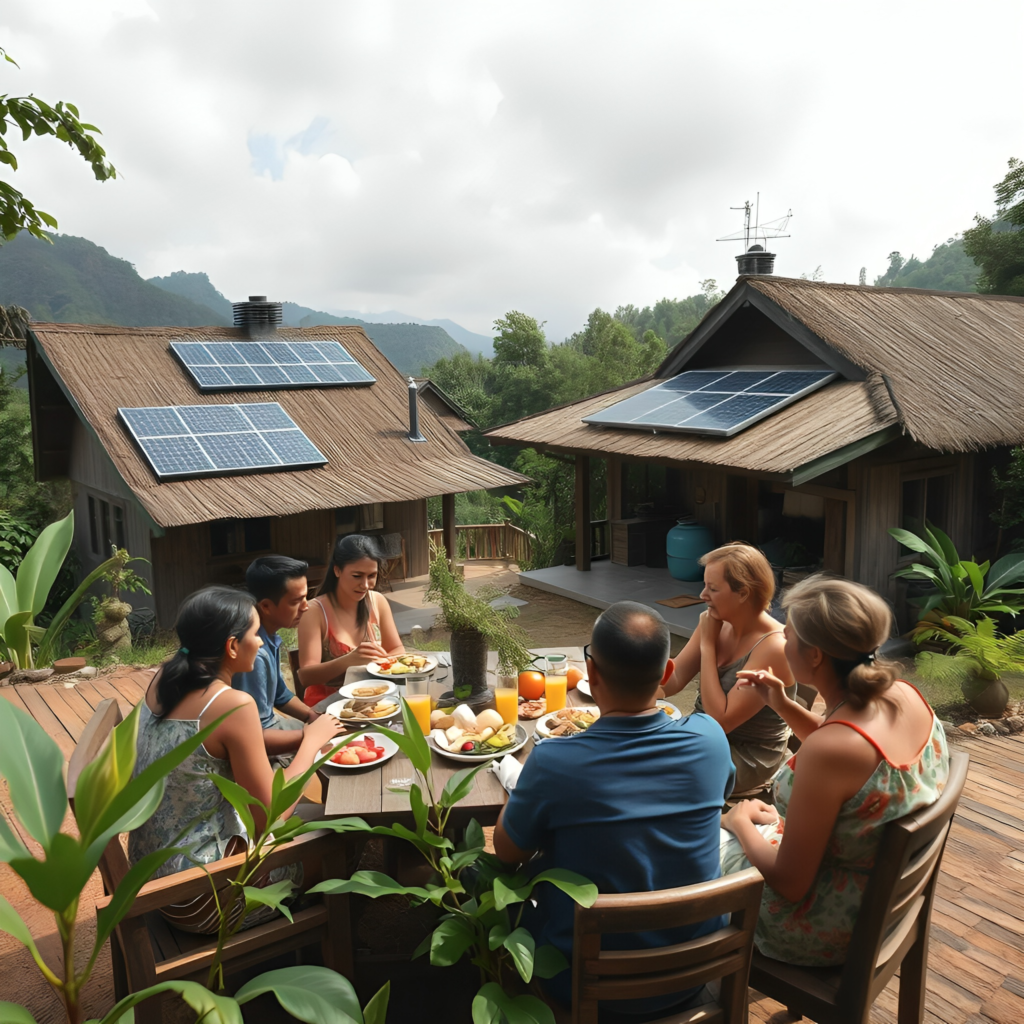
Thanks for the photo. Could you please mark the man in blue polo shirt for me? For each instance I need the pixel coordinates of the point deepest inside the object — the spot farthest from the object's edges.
(634, 803)
(278, 584)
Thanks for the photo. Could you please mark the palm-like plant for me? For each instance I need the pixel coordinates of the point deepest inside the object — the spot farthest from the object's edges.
(977, 659)
(963, 589)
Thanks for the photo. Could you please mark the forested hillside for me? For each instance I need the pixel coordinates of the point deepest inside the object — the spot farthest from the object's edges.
(75, 281)
(948, 269)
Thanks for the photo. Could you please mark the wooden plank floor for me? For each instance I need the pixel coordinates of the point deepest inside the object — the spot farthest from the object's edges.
(976, 961)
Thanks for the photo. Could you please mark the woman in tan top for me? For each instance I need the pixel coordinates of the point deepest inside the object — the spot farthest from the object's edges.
(347, 623)
(737, 633)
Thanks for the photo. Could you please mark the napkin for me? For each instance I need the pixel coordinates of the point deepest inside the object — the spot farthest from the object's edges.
(507, 769)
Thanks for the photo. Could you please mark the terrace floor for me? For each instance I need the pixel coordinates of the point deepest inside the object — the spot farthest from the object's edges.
(976, 962)
(607, 583)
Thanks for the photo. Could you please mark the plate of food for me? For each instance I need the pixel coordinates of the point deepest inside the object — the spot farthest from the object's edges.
(368, 688)
(670, 709)
(401, 665)
(530, 709)
(568, 722)
(367, 751)
(463, 736)
(362, 710)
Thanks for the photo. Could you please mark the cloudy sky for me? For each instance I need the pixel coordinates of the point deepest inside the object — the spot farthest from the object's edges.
(464, 159)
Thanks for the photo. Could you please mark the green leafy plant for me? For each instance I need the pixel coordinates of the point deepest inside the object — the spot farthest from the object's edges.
(16, 537)
(481, 902)
(462, 611)
(110, 799)
(978, 655)
(964, 589)
(23, 597)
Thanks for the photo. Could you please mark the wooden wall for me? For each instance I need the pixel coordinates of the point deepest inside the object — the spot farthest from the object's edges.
(409, 518)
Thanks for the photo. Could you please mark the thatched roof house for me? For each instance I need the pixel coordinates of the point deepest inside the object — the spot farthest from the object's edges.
(207, 528)
(920, 390)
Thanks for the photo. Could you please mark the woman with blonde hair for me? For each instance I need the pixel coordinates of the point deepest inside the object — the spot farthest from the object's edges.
(737, 633)
(888, 759)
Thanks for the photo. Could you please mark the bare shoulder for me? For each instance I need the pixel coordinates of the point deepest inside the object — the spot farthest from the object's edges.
(834, 746)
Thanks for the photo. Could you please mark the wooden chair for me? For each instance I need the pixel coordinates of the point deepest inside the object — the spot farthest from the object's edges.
(634, 974)
(293, 664)
(392, 556)
(146, 949)
(891, 930)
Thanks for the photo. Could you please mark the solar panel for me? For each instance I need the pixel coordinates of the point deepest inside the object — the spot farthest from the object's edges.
(237, 366)
(218, 440)
(716, 402)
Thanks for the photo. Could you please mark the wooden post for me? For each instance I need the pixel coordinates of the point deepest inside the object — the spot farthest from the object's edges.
(583, 513)
(614, 489)
(448, 535)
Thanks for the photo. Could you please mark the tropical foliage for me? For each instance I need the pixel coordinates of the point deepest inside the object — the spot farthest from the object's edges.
(996, 244)
(960, 588)
(482, 902)
(948, 269)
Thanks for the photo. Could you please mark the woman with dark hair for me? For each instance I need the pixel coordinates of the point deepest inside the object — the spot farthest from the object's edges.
(348, 623)
(217, 628)
(887, 759)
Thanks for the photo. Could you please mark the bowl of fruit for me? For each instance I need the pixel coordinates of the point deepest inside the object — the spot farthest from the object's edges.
(368, 750)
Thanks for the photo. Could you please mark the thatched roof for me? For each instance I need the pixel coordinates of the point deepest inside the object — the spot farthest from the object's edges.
(947, 367)
(362, 430)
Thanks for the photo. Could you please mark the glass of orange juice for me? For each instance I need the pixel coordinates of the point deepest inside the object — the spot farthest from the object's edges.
(555, 668)
(506, 698)
(417, 696)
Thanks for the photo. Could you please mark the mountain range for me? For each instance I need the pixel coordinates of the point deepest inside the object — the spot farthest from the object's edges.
(76, 281)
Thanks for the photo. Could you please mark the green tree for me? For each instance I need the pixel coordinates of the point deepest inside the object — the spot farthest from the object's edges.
(997, 244)
(948, 269)
(520, 340)
(33, 116)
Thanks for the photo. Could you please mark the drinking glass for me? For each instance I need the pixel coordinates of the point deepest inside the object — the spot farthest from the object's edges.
(417, 696)
(555, 668)
(506, 698)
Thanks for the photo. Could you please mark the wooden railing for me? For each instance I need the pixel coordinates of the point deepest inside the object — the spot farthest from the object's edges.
(490, 540)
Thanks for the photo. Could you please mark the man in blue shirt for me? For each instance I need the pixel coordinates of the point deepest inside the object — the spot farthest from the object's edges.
(633, 804)
(278, 584)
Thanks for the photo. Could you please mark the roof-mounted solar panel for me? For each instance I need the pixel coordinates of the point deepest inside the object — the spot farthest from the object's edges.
(263, 365)
(219, 440)
(720, 403)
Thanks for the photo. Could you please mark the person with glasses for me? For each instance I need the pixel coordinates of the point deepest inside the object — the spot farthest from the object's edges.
(633, 804)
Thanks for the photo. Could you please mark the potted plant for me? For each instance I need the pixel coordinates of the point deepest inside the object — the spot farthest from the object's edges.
(978, 656)
(958, 587)
(476, 626)
(112, 613)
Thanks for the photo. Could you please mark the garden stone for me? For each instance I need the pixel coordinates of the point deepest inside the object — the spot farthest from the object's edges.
(968, 727)
(90, 671)
(1016, 723)
(1001, 727)
(986, 729)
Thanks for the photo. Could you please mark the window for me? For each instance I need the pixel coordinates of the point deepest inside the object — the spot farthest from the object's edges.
(373, 516)
(239, 536)
(105, 526)
(94, 539)
(926, 499)
(119, 526)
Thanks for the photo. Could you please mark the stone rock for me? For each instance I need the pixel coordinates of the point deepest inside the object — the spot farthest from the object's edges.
(90, 672)
(968, 727)
(986, 729)
(1001, 727)
(31, 675)
(1015, 722)
(947, 724)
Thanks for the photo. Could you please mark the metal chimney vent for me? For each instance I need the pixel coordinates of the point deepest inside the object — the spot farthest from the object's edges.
(414, 413)
(755, 261)
(257, 316)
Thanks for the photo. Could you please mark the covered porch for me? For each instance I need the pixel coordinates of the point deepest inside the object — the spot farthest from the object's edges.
(607, 582)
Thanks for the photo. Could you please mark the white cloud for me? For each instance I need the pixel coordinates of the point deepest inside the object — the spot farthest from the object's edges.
(461, 160)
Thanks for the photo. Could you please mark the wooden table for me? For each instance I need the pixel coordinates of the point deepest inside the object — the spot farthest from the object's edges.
(366, 793)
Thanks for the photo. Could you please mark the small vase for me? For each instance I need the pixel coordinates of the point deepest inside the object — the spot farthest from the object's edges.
(469, 668)
(988, 697)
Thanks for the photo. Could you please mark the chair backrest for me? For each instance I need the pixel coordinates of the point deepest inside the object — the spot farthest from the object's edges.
(293, 664)
(898, 897)
(634, 974)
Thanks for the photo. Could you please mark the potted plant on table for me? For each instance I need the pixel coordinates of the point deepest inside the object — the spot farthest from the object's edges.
(476, 626)
(977, 659)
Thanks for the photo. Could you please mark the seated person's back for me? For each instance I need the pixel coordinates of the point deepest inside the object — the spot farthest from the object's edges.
(633, 804)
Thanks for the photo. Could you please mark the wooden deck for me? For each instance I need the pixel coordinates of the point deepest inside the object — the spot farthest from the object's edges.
(976, 961)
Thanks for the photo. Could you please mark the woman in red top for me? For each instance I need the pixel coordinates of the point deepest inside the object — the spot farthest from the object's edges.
(347, 623)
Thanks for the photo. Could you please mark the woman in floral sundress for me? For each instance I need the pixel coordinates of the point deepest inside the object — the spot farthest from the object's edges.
(878, 753)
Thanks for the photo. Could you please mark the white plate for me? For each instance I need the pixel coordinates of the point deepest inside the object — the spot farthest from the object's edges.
(673, 712)
(389, 745)
(348, 690)
(545, 732)
(333, 709)
(374, 670)
(584, 687)
(522, 736)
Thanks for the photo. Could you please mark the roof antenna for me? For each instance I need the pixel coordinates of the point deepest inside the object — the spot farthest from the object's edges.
(754, 258)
